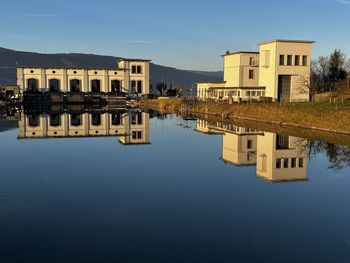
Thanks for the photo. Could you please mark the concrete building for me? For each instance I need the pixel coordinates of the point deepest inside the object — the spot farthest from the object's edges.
(281, 157)
(130, 127)
(131, 76)
(278, 158)
(280, 71)
(285, 69)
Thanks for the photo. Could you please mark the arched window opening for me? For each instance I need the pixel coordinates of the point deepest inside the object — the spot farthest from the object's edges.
(75, 85)
(116, 119)
(116, 86)
(75, 120)
(133, 86)
(54, 85)
(33, 120)
(33, 84)
(96, 85)
(55, 120)
(96, 119)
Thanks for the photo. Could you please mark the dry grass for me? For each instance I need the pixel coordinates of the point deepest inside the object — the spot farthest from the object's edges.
(322, 115)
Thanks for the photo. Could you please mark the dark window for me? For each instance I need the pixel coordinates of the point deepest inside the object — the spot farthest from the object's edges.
(137, 135)
(33, 120)
(139, 118)
(133, 86)
(282, 142)
(301, 162)
(294, 162)
(289, 60)
(297, 60)
(75, 120)
(139, 70)
(74, 85)
(286, 163)
(251, 61)
(281, 60)
(54, 85)
(251, 74)
(133, 69)
(55, 120)
(96, 119)
(304, 60)
(33, 84)
(139, 86)
(116, 85)
(278, 163)
(249, 144)
(116, 119)
(95, 85)
(247, 93)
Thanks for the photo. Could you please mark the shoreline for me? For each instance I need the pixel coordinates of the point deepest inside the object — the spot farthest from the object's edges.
(237, 114)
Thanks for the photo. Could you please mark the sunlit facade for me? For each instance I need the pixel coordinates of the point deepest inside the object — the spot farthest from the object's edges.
(131, 76)
(129, 127)
(280, 71)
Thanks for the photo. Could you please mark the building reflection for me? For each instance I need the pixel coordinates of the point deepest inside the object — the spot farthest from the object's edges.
(131, 127)
(278, 158)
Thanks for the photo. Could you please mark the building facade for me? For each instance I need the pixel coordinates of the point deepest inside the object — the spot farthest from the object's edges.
(284, 69)
(129, 127)
(280, 71)
(131, 76)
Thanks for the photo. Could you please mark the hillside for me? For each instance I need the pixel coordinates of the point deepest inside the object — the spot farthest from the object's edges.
(10, 58)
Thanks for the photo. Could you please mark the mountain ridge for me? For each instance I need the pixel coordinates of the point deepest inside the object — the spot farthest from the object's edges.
(10, 59)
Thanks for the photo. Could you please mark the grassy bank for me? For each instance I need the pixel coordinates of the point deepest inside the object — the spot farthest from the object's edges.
(318, 116)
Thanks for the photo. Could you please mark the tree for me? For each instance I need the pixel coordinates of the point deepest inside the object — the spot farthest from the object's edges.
(337, 71)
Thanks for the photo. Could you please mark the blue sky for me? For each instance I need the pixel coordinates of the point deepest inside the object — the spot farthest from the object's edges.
(183, 34)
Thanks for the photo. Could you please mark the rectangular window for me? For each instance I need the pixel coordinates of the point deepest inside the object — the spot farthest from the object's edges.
(251, 74)
(289, 60)
(258, 93)
(297, 60)
(286, 163)
(278, 163)
(139, 70)
(253, 93)
(247, 93)
(249, 144)
(304, 60)
(133, 69)
(137, 135)
(294, 162)
(251, 61)
(139, 86)
(281, 60)
(301, 162)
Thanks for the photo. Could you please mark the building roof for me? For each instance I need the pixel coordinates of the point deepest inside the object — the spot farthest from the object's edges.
(240, 52)
(287, 41)
(134, 60)
(228, 88)
(214, 82)
(60, 67)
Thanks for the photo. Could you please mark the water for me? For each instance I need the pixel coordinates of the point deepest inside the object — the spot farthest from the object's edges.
(140, 187)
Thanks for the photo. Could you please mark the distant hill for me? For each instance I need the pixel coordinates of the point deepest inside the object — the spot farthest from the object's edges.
(10, 58)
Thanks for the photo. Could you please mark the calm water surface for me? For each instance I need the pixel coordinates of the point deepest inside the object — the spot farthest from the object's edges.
(131, 187)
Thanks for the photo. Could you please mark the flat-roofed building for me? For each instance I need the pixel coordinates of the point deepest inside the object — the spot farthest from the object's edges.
(130, 127)
(284, 69)
(281, 157)
(130, 76)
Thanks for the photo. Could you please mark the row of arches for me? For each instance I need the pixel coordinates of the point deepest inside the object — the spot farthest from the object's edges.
(74, 85)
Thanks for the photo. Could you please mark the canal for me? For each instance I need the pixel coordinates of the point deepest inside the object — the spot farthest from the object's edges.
(132, 186)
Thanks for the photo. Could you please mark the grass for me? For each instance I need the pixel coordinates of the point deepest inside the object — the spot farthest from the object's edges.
(320, 115)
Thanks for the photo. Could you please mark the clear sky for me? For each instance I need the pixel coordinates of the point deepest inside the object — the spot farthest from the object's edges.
(187, 34)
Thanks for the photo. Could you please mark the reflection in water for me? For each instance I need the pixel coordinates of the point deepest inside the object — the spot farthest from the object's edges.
(132, 127)
(277, 157)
